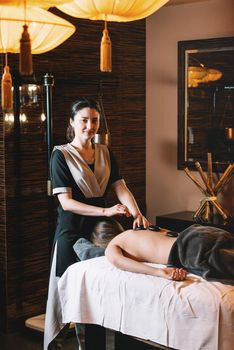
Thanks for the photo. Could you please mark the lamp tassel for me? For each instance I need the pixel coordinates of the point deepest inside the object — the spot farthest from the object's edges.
(105, 51)
(25, 59)
(6, 89)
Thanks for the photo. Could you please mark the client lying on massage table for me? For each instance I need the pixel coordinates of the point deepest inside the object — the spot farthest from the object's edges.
(131, 248)
(203, 250)
(206, 251)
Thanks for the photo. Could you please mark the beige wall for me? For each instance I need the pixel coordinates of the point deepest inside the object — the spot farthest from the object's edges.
(168, 189)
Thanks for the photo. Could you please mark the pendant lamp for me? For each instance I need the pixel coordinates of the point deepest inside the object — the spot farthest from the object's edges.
(110, 10)
(46, 30)
(201, 74)
(38, 3)
(103, 134)
(195, 75)
(212, 75)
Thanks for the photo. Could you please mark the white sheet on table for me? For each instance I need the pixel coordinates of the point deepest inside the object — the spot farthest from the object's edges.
(192, 314)
(53, 319)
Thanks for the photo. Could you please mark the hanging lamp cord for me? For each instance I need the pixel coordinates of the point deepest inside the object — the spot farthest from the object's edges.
(100, 95)
(24, 11)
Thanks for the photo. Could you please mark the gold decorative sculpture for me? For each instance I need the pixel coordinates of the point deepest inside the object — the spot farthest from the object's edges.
(210, 190)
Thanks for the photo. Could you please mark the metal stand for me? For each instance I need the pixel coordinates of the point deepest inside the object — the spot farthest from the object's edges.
(37, 322)
(48, 81)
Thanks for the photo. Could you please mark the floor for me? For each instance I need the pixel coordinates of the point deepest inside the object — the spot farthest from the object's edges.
(32, 340)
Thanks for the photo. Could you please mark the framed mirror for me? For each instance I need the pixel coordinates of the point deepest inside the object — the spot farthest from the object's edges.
(206, 102)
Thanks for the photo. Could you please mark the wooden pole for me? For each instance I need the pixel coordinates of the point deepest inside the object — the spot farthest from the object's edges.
(204, 179)
(209, 168)
(193, 178)
(220, 182)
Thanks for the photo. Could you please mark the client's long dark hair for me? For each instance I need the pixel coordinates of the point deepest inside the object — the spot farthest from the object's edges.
(104, 231)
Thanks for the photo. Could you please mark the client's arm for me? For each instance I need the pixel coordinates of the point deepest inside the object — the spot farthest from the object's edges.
(116, 257)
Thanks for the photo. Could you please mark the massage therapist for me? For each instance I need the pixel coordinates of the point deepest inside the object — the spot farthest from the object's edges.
(82, 172)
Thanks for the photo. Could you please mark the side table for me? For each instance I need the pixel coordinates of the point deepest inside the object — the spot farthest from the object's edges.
(181, 220)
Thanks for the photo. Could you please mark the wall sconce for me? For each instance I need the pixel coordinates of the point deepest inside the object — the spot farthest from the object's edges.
(29, 95)
(8, 121)
(29, 100)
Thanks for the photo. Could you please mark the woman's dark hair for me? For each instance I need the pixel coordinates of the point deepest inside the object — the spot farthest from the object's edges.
(104, 231)
(76, 106)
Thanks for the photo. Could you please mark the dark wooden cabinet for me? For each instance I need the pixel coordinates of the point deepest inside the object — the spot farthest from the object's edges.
(181, 220)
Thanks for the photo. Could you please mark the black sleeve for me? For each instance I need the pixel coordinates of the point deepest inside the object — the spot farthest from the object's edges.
(115, 172)
(60, 173)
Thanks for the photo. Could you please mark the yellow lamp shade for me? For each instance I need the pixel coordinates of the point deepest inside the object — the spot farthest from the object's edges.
(112, 10)
(193, 83)
(195, 72)
(46, 30)
(212, 75)
(38, 3)
(198, 75)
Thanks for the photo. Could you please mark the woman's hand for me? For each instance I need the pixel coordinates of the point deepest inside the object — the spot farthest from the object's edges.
(118, 209)
(140, 220)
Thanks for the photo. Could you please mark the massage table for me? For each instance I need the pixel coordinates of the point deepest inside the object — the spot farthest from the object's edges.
(193, 314)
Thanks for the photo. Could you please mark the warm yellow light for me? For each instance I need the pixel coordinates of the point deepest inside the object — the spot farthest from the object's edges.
(43, 117)
(200, 74)
(9, 118)
(196, 72)
(37, 3)
(23, 117)
(195, 75)
(212, 75)
(112, 10)
(46, 30)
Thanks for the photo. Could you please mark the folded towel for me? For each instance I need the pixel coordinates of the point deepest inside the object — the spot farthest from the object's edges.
(206, 251)
(85, 249)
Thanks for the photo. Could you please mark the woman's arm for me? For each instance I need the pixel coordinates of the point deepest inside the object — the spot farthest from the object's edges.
(115, 256)
(70, 204)
(126, 197)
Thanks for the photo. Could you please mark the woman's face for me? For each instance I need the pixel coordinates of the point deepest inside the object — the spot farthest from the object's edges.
(86, 123)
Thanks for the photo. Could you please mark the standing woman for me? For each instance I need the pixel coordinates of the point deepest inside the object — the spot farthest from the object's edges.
(82, 172)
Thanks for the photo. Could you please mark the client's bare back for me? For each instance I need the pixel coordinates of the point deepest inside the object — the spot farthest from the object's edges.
(147, 246)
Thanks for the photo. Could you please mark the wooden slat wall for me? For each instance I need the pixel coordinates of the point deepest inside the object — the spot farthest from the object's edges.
(3, 248)
(24, 257)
